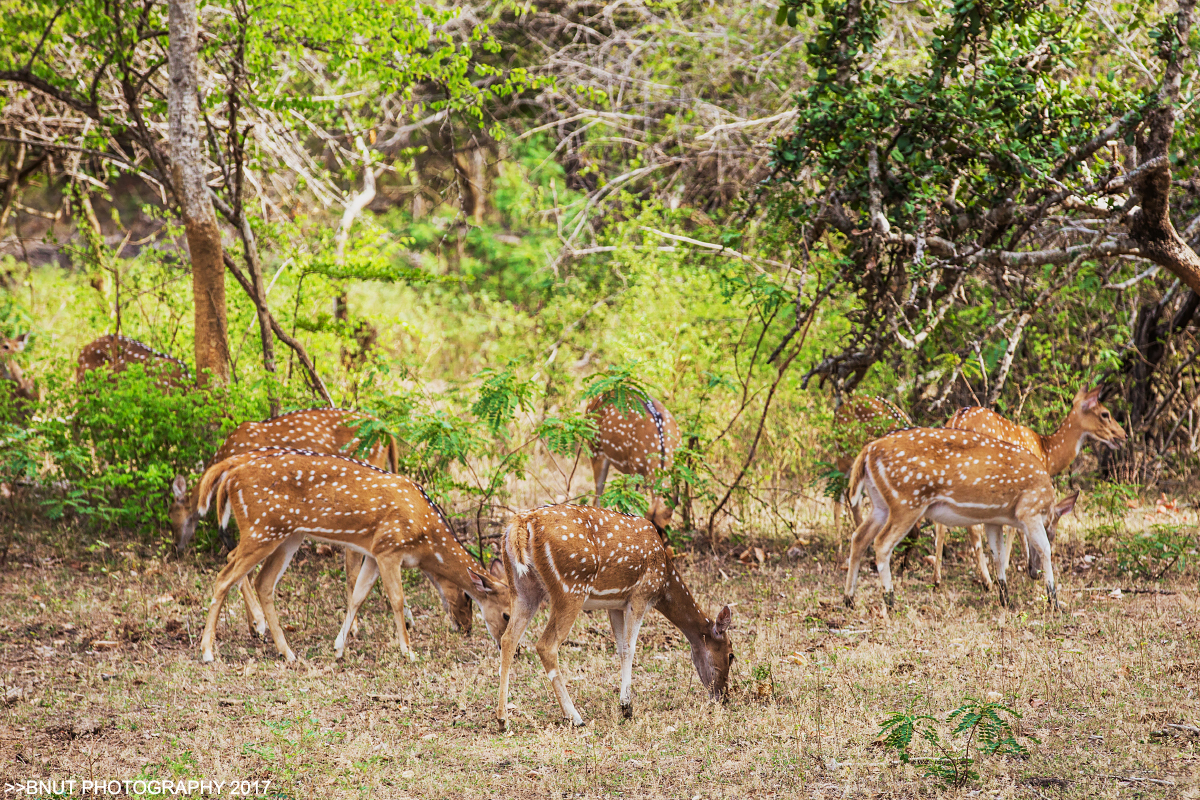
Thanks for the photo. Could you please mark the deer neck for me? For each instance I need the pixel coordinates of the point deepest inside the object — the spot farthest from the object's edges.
(681, 610)
(1064, 444)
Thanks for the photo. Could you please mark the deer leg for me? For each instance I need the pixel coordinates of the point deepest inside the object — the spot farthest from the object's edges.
(526, 599)
(254, 612)
(995, 536)
(272, 569)
(976, 539)
(354, 562)
(939, 544)
(885, 543)
(234, 570)
(600, 470)
(838, 502)
(863, 536)
(562, 617)
(393, 581)
(362, 587)
(626, 624)
(1036, 537)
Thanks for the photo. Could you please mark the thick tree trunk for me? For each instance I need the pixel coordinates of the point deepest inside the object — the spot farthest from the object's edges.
(1151, 224)
(191, 187)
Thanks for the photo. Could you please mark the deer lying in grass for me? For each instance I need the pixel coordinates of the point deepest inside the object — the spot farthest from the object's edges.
(1087, 419)
(855, 422)
(581, 557)
(280, 497)
(955, 478)
(636, 444)
(118, 352)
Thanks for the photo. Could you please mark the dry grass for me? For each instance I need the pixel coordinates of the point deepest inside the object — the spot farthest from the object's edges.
(1097, 685)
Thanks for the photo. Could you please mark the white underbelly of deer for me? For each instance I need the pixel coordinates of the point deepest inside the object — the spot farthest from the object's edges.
(948, 512)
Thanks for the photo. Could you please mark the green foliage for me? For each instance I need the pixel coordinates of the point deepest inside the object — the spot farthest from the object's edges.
(987, 728)
(619, 386)
(1151, 555)
(124, 438)
(1113, 499)
(501, 395)
(626, 493)
(833, 481)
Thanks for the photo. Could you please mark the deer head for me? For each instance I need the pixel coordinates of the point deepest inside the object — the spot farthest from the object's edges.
(1096, 420)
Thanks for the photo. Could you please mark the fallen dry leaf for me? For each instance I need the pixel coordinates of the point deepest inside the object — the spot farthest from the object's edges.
(105, 644)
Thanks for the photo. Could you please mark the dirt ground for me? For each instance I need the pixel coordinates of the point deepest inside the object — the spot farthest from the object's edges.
(101, 680)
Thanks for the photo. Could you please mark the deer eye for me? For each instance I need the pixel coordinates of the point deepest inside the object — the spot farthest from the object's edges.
(1105, 415)
(506, 617)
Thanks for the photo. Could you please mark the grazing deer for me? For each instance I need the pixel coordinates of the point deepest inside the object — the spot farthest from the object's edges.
(23, 390)
(280, 497)
(1087, 419)
(955, 478)
(581, 557)
(118, 352)
(855, 422)
(322, 430)
(636, 444)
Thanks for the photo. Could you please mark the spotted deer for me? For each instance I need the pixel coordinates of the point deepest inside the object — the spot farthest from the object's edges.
(118, 352)
(322, 430)
(1087, 419)
(279, 497)
(635, 444)
(581, 558)
(955, 478)
(857, 421)
(22, 389)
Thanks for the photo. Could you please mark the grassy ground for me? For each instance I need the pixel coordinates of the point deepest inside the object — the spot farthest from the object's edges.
(101, 680)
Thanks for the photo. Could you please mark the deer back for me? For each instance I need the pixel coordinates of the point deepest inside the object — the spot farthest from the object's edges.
(989, 423)
(861, 419)
(638, 441)
(118, 352)
(917, 467)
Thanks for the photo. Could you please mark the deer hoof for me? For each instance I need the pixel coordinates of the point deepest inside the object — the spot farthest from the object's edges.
(890, 600)
(848, 600)
(627, 710)
(501, 725)
(578, 723)
(1002, 586)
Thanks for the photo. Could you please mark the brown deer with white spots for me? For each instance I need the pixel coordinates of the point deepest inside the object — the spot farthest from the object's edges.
(581, 557)
(23, 390)
(955, 478)
(322, 430)
(635, 444)
(1088, 419)
(118, 352)
(857, 421)
(280, 497)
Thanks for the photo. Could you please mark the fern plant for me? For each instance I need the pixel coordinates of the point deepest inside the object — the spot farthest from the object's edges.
(986, 727)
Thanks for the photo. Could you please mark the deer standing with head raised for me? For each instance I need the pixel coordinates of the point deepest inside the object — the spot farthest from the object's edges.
(580, 558)
(856, 421)
(635, 443)
(280, 497)
(1087, 420)
(954, 478)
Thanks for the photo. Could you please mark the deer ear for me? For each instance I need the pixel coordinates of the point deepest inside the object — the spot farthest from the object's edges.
(486, 583)
(1091, 399)
(496, 569)
(1065, 506)
(179, 487)
(21, 341)
(721, 624)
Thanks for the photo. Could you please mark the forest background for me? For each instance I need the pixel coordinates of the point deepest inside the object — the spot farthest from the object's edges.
(468, 219)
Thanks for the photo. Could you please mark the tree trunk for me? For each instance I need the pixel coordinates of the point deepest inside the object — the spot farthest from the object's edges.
(191, 187)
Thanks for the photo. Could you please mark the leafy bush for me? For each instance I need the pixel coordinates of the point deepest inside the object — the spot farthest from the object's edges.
(985, 725)
(123, 437)
(1150, 555)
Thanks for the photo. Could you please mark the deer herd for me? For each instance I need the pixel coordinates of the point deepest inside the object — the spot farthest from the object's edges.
(306, 475)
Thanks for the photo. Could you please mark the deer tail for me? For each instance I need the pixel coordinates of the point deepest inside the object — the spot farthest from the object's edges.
(393, 451)
(854, 489)
(214, 478)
